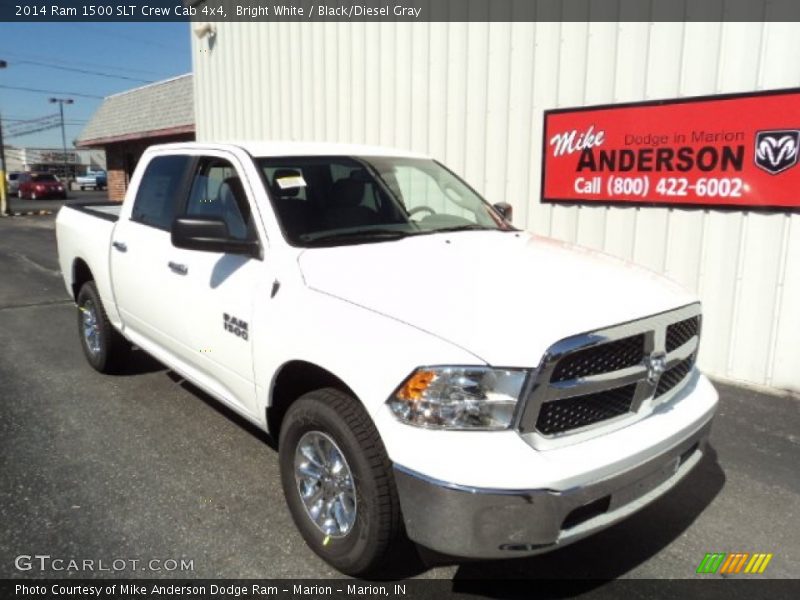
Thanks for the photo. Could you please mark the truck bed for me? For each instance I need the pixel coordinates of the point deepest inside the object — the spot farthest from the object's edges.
(83, 234)
(103, 210)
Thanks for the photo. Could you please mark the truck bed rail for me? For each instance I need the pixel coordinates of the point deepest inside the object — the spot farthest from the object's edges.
(103, 210)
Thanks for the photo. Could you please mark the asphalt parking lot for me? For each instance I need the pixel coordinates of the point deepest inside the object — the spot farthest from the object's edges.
(143, 466)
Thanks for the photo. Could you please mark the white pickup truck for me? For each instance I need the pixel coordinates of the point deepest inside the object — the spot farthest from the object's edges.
(429, 370)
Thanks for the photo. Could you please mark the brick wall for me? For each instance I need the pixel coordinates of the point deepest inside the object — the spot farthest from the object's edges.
(117, 178)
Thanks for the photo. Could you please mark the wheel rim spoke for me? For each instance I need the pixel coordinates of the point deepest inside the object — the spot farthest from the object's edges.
(310, 471)
(319, 451)
(91, 327)
(325, 484)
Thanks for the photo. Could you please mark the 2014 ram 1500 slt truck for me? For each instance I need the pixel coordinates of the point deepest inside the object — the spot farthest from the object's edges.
(428, 370)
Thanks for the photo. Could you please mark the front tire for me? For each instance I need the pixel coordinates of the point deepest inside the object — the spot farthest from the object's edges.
(337, 480)
(104, 347)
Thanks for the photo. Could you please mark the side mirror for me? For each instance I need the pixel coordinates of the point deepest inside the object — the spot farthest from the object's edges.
(505, 209)
(209, 234)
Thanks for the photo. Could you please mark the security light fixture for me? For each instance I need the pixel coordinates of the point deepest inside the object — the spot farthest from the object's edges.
(205, 29)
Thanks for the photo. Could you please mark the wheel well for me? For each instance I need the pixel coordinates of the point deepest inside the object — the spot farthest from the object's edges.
(296, 378)
(80, 275)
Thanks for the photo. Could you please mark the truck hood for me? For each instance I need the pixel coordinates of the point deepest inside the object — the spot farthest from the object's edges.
(503, 296)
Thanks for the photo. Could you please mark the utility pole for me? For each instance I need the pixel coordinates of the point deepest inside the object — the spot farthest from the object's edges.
(4, 208)
(61, 102)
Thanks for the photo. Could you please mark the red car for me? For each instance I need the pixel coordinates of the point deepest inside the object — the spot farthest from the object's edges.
(40, 185)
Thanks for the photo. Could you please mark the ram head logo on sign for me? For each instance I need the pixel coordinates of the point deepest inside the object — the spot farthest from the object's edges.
(776, 151)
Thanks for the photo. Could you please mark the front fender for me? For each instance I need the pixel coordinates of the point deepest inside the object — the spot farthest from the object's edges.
(371, 353)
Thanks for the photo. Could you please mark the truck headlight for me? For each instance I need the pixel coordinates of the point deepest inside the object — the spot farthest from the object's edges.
(459, 397)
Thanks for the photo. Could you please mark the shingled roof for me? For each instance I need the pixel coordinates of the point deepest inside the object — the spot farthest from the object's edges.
(158, 109)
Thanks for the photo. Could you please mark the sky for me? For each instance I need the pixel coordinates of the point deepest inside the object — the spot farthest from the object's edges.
(111, 58)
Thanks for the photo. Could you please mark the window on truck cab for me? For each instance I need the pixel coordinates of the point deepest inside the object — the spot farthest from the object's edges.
(217, 191)
(159, 189)
(342, 199)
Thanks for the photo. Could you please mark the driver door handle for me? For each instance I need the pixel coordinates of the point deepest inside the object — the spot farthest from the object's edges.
(121, 246)
(178, 268)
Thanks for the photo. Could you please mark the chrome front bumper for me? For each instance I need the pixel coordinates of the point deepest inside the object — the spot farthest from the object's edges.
(485, 523)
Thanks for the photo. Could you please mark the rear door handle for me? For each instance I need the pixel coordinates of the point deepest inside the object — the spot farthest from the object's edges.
(178, 268)
(121, 246)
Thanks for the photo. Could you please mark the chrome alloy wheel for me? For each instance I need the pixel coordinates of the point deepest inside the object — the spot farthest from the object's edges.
(325, 484)
(91, 328)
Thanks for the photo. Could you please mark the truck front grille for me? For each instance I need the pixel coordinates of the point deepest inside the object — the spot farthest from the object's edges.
(674, 376)
(587, 380)
(557, 416)
(604, 358)
(681, 332)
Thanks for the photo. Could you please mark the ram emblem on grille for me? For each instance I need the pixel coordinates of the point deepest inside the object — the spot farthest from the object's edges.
(656, 365)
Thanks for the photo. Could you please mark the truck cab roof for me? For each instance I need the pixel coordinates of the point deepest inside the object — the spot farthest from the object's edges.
(293, 148)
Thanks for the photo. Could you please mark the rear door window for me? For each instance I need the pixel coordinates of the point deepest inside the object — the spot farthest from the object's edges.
(159, 191)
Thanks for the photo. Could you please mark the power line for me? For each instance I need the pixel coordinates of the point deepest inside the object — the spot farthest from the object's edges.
(39, 91)
(31, 119)
(71, 62)
(83, 71)
(19, 126)
(13, 134)
(33, 123)
(71, 121)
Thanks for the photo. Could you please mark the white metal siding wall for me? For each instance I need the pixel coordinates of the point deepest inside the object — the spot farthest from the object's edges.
(472, 95)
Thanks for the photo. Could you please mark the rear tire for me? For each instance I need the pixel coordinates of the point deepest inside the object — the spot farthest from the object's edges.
(340, 421)
(104, 347)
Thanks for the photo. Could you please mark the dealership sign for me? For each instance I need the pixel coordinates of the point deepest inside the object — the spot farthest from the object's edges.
(734, 150)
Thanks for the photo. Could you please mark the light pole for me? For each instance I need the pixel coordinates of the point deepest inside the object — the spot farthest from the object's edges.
(61, 102)
(3, 197)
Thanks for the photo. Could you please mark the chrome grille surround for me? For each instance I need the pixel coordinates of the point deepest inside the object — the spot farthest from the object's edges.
(657, 377)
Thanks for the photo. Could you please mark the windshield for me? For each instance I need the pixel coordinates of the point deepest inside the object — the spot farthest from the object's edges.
(343, 200)
(43, 177)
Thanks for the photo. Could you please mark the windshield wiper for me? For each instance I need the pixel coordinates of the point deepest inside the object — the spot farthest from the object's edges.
(469, 227)
(359, 235)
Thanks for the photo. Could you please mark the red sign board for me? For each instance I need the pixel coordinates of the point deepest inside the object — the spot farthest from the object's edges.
(736, 151)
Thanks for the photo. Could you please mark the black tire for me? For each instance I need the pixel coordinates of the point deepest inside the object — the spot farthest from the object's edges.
(112, 349)
(377, 528)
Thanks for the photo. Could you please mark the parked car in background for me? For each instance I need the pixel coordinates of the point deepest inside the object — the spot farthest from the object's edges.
(36, 186)
(13, 181)
(93, 180)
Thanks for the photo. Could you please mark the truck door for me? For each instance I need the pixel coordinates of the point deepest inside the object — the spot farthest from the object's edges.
(142, 282)
(217, 291)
